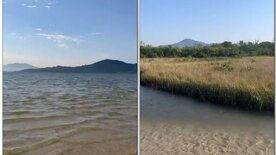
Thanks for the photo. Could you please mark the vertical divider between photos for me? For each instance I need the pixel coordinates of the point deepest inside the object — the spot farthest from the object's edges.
(138, 76)
(274, 77)
(1, 77)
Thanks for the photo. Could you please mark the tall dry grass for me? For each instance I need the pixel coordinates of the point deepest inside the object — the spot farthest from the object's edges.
(246, 82)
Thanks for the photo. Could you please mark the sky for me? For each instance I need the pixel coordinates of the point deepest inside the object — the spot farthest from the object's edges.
(212, 21)
(69, 32)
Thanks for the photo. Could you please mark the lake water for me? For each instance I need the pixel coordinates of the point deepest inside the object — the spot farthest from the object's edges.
(85, 114)
(173, 124)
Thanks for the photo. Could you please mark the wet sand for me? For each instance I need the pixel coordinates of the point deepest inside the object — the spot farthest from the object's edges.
(176, 125)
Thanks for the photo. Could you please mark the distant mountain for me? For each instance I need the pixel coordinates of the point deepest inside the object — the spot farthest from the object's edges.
(104, 66)
(189, 43)
(17, 67)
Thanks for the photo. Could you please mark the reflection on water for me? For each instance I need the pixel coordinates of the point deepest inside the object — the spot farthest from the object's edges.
(173, 124)
(53, 114)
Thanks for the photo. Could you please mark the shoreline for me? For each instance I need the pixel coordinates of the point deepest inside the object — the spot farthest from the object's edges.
(180, 124)
(192, 90)
(236, 96)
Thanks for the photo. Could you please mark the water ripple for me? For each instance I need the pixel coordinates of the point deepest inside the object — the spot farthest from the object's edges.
(55, 113)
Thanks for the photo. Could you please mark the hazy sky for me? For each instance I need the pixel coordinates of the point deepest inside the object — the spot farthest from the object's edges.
(169, 21)
(69, 32)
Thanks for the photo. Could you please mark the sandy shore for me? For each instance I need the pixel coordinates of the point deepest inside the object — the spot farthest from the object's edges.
(164, 139)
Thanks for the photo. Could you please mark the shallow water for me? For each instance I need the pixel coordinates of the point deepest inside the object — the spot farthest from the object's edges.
(173, 124)
(52, 113)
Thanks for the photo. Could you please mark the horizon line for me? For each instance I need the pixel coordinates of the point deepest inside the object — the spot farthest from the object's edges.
(69, 65)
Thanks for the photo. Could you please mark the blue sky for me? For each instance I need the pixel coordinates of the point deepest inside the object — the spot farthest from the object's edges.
(69, 32)
(169, 21)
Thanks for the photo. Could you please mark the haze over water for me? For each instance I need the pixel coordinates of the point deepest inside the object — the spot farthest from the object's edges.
(54, 113)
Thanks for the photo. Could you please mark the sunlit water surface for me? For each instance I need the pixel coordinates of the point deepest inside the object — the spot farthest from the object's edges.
(85, 114)
(176, 125)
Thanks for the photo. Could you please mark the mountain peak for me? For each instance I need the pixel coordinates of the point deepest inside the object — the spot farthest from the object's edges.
(189, 43)
(109, 61)
(188, 39)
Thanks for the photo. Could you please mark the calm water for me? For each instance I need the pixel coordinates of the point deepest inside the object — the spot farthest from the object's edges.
(51, 113)
(173, 124)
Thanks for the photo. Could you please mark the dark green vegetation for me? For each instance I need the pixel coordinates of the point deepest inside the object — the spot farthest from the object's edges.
(225, 49)
(104, 66)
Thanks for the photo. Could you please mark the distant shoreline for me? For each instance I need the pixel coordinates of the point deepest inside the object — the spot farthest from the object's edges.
(6, 72)
(104, 66)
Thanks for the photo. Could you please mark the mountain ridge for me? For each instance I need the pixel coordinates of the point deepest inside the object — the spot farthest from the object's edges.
(17, 67)
(103, 66)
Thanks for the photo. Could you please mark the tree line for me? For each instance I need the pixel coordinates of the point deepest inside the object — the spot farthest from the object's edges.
(225, 49)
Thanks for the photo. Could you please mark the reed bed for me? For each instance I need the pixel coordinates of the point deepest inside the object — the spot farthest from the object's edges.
(246, 83)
